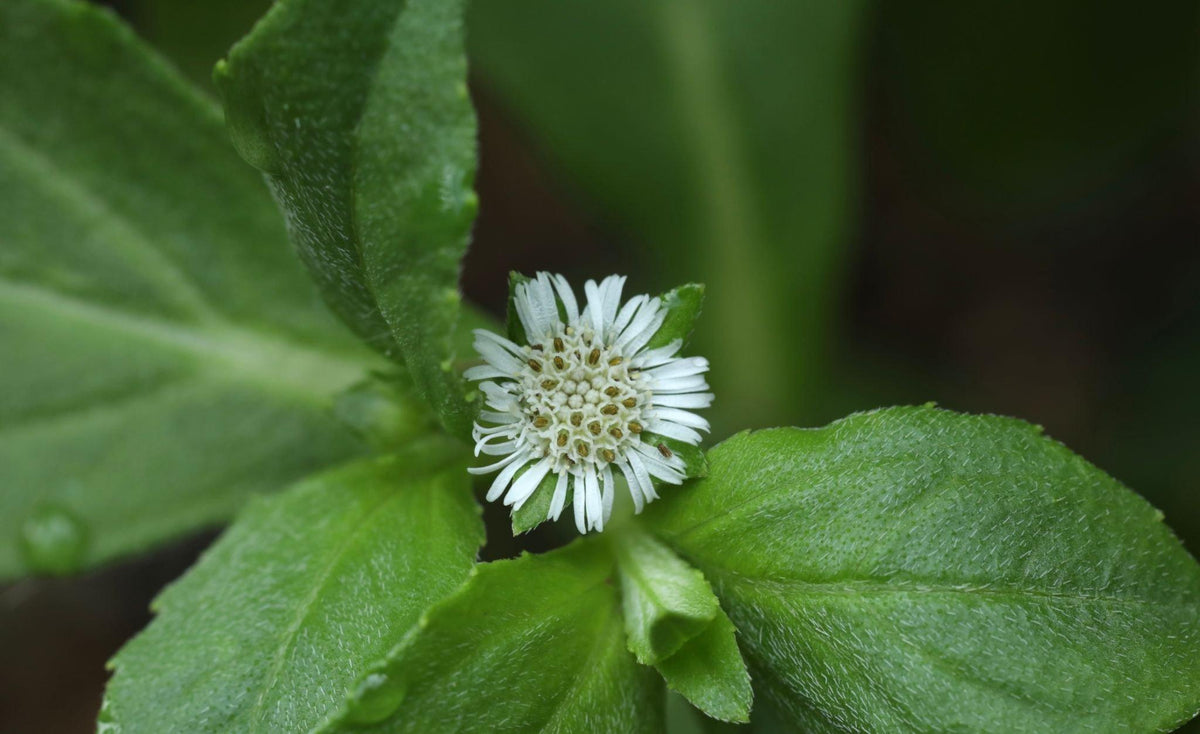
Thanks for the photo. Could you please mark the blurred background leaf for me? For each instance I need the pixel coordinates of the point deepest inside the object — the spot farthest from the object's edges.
(717, 139)
(163, 355)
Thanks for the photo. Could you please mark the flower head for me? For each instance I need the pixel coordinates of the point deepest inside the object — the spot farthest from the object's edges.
(583, 396)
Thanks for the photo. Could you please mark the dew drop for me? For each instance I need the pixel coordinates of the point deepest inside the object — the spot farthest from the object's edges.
(377, 697)
(53, 540)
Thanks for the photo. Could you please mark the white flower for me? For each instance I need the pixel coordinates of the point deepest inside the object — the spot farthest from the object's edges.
(582, 396)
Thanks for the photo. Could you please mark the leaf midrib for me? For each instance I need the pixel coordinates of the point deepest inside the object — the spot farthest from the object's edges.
(853, 587)
(220, 348)
(601, 648)
(175, 285)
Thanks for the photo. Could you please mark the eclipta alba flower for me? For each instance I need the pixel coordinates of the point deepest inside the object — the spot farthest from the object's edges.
(585, 395)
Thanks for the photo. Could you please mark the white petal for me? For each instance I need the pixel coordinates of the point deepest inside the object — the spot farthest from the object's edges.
(494, 417)
(580, 504)
(635, 344)
(611, 290)
(508, 428)
(635, 490)
(536, 307)
(644, 318)
(499, 397)
(643, 477)
(483, 443)
(606, 493)
(567, 296)
(520, 303)
(527, 483)
(498, 357)
(675, 415)
(592, 490)
(498, 449)
(518, 457)
(625, 315)
(657, 356)
(675, 431)
(658, 467)
(687, 400)
(595, 306)
(546, 305)
(560, 497)
(507, 344)
(691, 383)
(485, 372)
(500, 483)
(684, 367)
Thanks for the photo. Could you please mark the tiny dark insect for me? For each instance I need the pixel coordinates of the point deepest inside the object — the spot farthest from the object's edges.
(666, 452)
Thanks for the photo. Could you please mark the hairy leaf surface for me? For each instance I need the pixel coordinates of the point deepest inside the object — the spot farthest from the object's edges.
(710, 673)
(358, 113)
(533, 644)
(308, 587)
(918, 570)
(673, 622)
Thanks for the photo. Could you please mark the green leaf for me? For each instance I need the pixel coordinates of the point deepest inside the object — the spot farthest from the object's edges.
(358, 113)
(673, 622)
(164, 355)
(535, 510)
(383, 410)
(285, 612)
(720, 137)
(533, 644)
(913, 569)
(683, 308)
(709, 671)
(666, 602)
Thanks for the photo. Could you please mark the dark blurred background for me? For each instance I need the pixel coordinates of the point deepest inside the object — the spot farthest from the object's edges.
(989, 205)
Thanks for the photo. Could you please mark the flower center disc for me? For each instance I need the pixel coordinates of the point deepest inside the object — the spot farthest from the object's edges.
(583, 403)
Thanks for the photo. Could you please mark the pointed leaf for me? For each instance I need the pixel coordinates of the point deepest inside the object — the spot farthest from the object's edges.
(915, 570)
(358, 113)
(534, 511)
(683, 308)
(709, 671)
(533, 644)
(673, 622)
(285, 612)
(666, 602)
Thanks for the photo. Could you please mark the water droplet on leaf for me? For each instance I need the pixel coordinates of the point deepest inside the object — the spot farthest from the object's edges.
(376, 698)
(53, 540)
